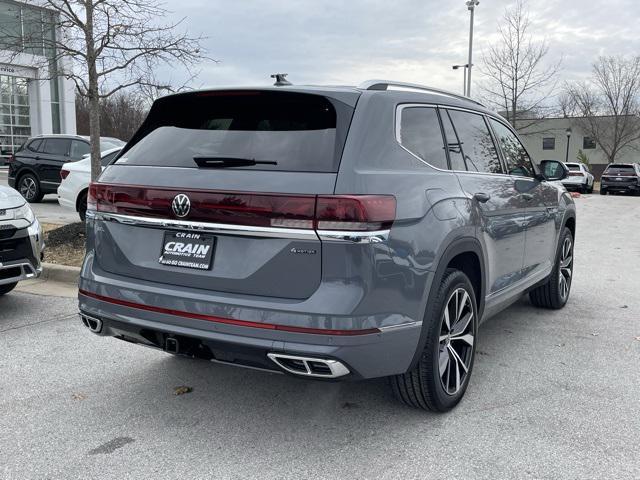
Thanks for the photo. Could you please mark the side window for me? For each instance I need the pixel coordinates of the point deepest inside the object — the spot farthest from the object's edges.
(515, 156)
(56, 146)
(104, 161)
(79, 149)
(35, 145)
(420, 133)
(453, 143)
(479, 152)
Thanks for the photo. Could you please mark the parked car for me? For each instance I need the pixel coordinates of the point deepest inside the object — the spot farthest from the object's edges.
(75, 178)
(579, 178)
(21, 241)
(325, 232)
(34, 169)
(620, 178)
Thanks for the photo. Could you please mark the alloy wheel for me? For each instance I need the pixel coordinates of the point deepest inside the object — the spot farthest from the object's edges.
(28, 188)
(457, 332)
(566, 268)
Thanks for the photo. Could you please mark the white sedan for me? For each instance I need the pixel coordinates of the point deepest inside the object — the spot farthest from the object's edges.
(76, 176)
(579, 178)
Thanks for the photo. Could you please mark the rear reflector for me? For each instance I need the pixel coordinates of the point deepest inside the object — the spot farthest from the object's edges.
(307, 212)
(64, 174)
(228, 321)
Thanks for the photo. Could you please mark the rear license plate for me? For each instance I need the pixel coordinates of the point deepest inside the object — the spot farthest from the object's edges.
(619, 179)
(187, 250)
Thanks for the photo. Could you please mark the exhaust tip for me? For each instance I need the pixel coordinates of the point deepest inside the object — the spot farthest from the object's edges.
(92, 323)
(308, 366)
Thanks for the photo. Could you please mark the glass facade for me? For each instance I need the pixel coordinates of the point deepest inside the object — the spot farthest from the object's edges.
(31, 30)
(26, 29)
(15, 126)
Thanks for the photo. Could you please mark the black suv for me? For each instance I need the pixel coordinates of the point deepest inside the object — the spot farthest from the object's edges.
(34, 170)
(621, 177)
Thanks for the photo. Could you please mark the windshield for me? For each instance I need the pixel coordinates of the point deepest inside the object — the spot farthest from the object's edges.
(271, 131)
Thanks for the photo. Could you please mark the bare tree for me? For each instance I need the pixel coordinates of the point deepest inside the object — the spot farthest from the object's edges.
(106, 46)
(120, 114)
(518, 81)
(608, 106)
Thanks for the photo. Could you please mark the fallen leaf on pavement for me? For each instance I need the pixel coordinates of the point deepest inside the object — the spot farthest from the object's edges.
(78, 396)
(182, 390)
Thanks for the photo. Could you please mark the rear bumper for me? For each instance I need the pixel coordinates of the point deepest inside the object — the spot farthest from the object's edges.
(620, 187)
(369, 355)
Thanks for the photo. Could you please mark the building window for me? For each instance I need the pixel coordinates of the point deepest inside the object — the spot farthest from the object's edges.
(549, 143)
(25, 29)
(588, 143)
(15, 125)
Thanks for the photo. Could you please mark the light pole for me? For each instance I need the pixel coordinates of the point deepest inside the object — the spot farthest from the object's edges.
(464, 79)
(566, 158)
(471, 6)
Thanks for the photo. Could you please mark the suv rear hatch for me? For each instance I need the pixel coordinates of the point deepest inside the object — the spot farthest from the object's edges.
(218, 191)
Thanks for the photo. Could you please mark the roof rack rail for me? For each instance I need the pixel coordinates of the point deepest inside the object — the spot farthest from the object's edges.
(385, 84)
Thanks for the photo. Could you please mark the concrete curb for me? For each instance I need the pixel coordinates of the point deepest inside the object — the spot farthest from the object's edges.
(60, 273)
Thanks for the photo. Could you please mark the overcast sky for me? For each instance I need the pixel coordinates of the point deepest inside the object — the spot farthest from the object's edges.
(346, 42)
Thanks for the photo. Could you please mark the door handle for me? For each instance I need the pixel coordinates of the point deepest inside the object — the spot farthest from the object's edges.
(482, 197)
(527, 196)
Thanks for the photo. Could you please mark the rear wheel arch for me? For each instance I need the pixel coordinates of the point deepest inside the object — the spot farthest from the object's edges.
(83, 193)
(464, 254)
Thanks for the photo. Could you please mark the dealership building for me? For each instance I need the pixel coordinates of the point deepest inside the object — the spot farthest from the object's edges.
(31, 101)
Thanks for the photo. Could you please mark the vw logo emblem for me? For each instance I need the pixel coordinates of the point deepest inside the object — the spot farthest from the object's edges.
(181, 205)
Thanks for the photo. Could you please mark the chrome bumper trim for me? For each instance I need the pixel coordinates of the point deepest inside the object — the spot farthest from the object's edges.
(216, 228)
(243, 230)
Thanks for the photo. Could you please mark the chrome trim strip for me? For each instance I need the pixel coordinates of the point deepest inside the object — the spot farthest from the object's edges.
(401, 326)
(217, 228)
(377, 236)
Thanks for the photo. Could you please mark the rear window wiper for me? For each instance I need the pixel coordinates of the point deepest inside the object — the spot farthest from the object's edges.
(227, 162)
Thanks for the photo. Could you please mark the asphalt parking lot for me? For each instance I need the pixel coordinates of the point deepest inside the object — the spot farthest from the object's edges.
(554, 395)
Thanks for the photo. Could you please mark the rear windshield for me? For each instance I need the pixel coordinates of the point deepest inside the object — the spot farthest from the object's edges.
(290, 131)
(620, 170)
(573, 167)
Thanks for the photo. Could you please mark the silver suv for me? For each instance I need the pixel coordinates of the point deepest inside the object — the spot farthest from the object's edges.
(325, 232)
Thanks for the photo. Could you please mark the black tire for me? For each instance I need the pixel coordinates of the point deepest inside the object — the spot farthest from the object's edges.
(590, 188)
(553, 293)
(424, 386)
(82, 206)
(29, 187)
(7, 288)
(602, 191)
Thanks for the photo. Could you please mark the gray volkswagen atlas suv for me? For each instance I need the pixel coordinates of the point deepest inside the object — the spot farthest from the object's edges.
(325, 232)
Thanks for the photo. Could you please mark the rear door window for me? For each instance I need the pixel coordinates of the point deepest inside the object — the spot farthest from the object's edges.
(479, 152)
(56, 146)
(283, 131)
(420, 133)
(79, 149)
(453, 143)
(515, 156)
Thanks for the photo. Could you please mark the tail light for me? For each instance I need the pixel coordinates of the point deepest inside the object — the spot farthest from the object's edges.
(575, 174)
(355, 212)
(64, 174)
(336, 212)
(10, 159)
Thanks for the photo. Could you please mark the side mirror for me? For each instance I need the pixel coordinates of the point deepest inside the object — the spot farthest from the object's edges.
(553, 170)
